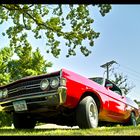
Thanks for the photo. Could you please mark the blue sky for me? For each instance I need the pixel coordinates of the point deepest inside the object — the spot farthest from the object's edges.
(119, 40)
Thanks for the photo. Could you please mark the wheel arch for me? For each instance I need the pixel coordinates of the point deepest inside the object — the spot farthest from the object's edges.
(94, 96)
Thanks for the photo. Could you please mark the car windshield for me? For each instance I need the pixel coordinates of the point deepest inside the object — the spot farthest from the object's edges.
(98, 80)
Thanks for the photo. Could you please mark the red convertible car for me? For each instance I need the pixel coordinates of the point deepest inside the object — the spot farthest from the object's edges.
(66, 98)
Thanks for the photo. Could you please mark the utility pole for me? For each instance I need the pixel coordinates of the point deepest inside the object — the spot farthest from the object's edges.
(107, 65)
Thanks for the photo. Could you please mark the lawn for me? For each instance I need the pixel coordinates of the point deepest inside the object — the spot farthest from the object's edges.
(100, 131)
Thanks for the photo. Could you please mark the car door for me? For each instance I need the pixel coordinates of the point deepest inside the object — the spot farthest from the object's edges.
(117, 103)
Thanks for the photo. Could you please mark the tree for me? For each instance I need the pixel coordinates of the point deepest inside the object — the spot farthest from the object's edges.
(69, 22)
(5, 56)
(27, 63)
(122, 82)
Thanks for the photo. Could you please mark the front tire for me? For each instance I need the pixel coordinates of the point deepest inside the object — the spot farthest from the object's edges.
(22, 121)
(87, 113)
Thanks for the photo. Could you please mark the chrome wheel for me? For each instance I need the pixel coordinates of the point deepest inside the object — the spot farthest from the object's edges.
(93, 115)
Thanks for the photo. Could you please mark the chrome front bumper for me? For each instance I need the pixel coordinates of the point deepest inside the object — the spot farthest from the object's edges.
(38, 100)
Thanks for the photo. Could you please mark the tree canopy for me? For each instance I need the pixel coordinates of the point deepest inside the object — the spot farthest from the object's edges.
(27, 63)
(73, 23)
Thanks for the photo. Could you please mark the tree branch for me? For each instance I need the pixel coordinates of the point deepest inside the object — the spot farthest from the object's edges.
(42, 24)
(24, 21)
(29, 6)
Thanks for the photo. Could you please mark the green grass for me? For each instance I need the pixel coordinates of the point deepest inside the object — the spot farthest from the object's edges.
(100, 131)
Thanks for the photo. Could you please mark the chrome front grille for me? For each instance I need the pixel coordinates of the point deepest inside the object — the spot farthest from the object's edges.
(24, 88)
(26, 83)
(27, 88)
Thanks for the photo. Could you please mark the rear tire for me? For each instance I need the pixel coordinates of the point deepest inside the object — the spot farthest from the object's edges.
(22, 121)
(132, 120)
(87, 113)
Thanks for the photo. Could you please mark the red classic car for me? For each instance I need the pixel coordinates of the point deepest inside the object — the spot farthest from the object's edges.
(66, 98)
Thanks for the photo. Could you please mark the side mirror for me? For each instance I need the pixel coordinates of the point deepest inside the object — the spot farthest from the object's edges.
(108, 86)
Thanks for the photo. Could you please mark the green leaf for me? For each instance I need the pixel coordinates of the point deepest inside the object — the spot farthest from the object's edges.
(71, 23)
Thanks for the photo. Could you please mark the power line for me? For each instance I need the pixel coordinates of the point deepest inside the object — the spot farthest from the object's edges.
(127, 70)
(130, 69)
(130, 72)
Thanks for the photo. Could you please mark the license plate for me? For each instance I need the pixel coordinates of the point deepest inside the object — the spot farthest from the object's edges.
(20, 105)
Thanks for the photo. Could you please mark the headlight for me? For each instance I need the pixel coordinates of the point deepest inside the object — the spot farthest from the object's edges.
(54, 82)
(5, 93)
(1, 94)
(44, 84)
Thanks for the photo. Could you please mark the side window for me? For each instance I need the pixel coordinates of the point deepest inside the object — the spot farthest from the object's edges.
(116, 90)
